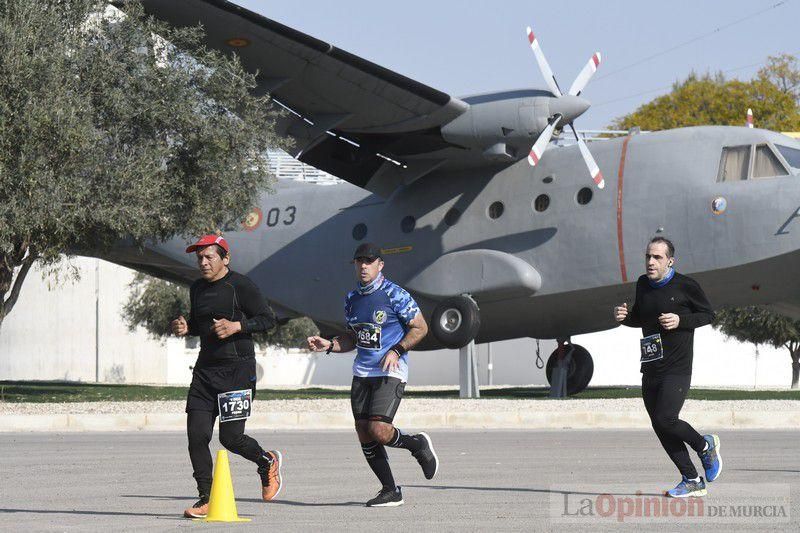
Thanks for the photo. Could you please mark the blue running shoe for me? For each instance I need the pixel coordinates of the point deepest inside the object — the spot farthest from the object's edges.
(687, 488)
(711, 459)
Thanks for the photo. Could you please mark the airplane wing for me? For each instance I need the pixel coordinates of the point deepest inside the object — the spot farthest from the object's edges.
(349, 117)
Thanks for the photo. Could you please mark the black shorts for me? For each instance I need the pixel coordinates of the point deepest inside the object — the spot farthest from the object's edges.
(376, 398)
(208, 382)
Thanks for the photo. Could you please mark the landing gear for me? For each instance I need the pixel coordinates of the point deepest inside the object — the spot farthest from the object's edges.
(578, 367)
(456, 321)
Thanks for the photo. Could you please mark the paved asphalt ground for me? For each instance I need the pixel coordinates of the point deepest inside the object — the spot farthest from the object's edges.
(488, 480)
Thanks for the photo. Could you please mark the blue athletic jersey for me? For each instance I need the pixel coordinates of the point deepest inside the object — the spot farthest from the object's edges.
(379, 320)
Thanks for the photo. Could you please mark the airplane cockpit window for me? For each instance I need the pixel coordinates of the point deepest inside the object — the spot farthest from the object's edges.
(734, 163)
(791, 155)
(766, 163)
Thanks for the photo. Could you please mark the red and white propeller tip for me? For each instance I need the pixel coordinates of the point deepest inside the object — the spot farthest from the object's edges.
(594, 170)
(749, 118)
(543, 65)
(585, 75)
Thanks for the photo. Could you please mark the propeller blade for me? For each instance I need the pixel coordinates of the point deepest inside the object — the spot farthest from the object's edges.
(543, 65)
(585, 75)
(541, 143)
(594, 170)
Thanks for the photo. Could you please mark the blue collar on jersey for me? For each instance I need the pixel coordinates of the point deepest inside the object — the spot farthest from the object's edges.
(372, 286)
(667, 278)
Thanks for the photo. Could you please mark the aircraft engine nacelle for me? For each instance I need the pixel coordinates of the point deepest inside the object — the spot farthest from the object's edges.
(504, 126)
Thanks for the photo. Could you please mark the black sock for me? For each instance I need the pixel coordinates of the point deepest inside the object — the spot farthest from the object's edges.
(412, 443)
(264, 459)
(379, 462)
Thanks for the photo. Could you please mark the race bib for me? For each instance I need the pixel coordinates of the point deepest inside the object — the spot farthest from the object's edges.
(235, 405)
(652, 350)
(368, 336)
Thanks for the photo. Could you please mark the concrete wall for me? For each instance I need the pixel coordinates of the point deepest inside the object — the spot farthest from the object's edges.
(54, 329)
(51, 334)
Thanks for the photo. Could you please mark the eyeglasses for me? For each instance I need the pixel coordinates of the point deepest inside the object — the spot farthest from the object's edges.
(366, 260)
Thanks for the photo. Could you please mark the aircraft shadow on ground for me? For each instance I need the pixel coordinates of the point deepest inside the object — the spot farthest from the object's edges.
(765, 470)
(91, 513)
(252, 500)
(521, 489)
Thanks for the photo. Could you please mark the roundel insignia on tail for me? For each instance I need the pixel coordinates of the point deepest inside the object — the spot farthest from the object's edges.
(253, 219)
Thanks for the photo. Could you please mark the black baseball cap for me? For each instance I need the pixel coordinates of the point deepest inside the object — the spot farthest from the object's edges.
(368, 250)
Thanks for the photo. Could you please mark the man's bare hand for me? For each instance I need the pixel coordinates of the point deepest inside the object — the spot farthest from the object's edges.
(669, 320)
(318, 344)
(179, 326)
(621, 312)
(390, 361)
(224, 328)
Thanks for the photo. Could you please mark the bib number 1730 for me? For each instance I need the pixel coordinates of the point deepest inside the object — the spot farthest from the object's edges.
(235, 405)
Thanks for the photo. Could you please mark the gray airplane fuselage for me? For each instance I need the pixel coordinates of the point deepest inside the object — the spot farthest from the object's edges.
(543, 274)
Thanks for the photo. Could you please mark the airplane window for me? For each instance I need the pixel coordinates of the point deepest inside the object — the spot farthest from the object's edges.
(791, 155)
(766, 164)
(496, 210)
(452, 216)
(734, 163)
(584, 196)
(359, 231)
(541, 203)
(408, 224)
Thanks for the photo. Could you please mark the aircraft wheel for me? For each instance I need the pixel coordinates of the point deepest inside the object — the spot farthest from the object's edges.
(456, 321)
(580, 371)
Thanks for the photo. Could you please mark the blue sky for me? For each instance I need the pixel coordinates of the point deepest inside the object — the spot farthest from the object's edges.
(468, 46)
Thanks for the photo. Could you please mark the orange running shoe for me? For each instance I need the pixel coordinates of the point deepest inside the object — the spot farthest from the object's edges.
(198, 510)
(271, 480)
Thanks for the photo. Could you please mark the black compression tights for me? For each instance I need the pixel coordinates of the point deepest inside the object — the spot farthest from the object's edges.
(199, 427)
(663, 398)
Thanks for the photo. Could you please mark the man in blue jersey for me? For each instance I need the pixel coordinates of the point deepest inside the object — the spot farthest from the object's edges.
(383, 323)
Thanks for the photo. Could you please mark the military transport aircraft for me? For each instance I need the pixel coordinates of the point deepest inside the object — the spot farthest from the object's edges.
(496, 238)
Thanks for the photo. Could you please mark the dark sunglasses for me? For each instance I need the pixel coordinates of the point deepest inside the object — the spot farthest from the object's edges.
(367, 260)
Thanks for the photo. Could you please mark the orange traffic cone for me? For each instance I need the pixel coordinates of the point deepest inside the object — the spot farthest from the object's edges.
(222, 503)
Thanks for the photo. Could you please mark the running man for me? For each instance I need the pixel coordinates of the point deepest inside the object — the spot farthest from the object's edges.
(226, 309)
(669, 307)
(383, 322)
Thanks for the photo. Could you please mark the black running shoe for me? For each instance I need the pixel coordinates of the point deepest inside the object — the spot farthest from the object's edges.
(387, 498)
(426, 457)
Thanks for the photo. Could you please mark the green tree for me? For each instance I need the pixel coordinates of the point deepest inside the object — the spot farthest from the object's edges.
(713, 100)
(761, 326)
(783, 71)
(114, 127)
(154, 303)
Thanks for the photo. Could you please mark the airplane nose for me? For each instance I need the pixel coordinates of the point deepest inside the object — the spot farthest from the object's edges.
(570, 107)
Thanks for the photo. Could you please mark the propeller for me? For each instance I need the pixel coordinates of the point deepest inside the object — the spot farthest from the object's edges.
(569, 101)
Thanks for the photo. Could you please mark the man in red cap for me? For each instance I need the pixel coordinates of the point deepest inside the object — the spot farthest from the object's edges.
(226, 309)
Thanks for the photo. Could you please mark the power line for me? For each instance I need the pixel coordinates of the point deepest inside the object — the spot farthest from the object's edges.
(690, 41)
(734, 69)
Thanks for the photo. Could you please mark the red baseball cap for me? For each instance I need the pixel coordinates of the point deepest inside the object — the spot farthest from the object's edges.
(208, 240)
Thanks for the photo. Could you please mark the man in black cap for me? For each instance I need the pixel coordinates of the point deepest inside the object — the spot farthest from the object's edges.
(226, 309)
(383, 323)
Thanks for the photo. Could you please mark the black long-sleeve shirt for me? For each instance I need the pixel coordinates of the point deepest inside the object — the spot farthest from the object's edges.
(682, 296)
(235, 298)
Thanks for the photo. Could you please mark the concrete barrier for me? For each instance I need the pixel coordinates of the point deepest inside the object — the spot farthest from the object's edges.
(522, 419)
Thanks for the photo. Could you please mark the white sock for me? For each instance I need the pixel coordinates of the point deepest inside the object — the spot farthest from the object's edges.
(696, 480)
